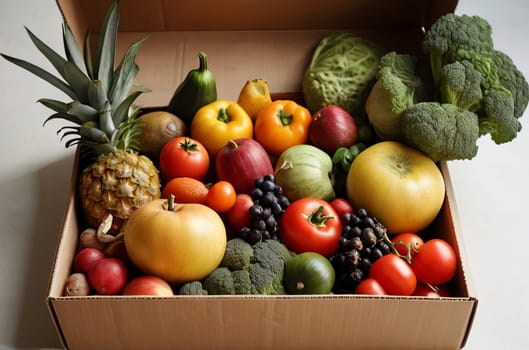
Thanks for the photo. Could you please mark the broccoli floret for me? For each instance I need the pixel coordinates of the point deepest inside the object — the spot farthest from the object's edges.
(484, 64)
(398, 86)
(268, 265)
(460, 85)
(442, 131)
(512, 79)
(452, 33)
(497, 114)
(192, 288)
(242, 282)
(220, 281)
(267, 251)
(238, 255)
(265, 281)
(498, 119)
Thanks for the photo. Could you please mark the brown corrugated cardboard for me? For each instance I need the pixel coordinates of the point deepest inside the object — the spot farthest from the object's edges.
(274, 41)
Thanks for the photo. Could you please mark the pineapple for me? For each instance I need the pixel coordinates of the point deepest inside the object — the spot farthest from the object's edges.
(117, 179)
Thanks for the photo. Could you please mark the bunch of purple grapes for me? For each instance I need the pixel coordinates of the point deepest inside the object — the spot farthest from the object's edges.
(361, 244)
(269, 205)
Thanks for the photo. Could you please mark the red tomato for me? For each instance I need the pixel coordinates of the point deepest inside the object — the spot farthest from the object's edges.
(221, 196)
(184, 157)
(435, 263)
(239, 215)
(311, 225)
(86, 258)
(341, 206)
(405, 242)
(426, 290)
(394, 275)
(108, 276)
(370, 286)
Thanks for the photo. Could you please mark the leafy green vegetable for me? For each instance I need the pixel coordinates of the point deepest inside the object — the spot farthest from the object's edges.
(343, 156)
(442, 131)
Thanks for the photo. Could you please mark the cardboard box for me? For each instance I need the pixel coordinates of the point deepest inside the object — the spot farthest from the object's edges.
(271, 40)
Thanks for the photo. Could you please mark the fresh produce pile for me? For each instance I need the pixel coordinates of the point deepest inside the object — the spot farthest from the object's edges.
(335, 194)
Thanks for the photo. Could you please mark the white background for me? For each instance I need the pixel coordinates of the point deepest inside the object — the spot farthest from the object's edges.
(491, 190)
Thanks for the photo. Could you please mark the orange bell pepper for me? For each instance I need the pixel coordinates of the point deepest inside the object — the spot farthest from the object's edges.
(282, 124)
(219, 122)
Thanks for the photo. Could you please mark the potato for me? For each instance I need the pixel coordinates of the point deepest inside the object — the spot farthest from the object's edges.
(158, 128)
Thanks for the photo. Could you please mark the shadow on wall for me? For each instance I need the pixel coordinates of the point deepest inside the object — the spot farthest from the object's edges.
(35, 327)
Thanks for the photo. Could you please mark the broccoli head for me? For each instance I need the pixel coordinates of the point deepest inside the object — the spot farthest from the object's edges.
(452, 33)
(246, 269)
(398, 86)
(460, 85)
(442, 131)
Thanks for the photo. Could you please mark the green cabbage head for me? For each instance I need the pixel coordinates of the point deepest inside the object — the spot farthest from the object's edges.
(341, 72)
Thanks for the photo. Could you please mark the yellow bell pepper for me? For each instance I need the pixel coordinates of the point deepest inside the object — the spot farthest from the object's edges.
(282, 124)
(219, 122)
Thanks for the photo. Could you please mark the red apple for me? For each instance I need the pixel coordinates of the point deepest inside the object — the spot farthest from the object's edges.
(86, 258)
(108, 276)
(148, 285)
(239, 216)
(240, 162)
(332, 127)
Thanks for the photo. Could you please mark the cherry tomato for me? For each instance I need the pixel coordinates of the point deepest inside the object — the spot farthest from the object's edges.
(426, 290)
(341, 206)
(435, 263)
(405, 242)
(311, 225)
(184, 157)
(86, 258)
(394, 275)
(370, 286)
(221, 196)
(108, 276)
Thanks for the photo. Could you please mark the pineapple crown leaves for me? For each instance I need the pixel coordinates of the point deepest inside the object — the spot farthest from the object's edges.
(102, 107)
